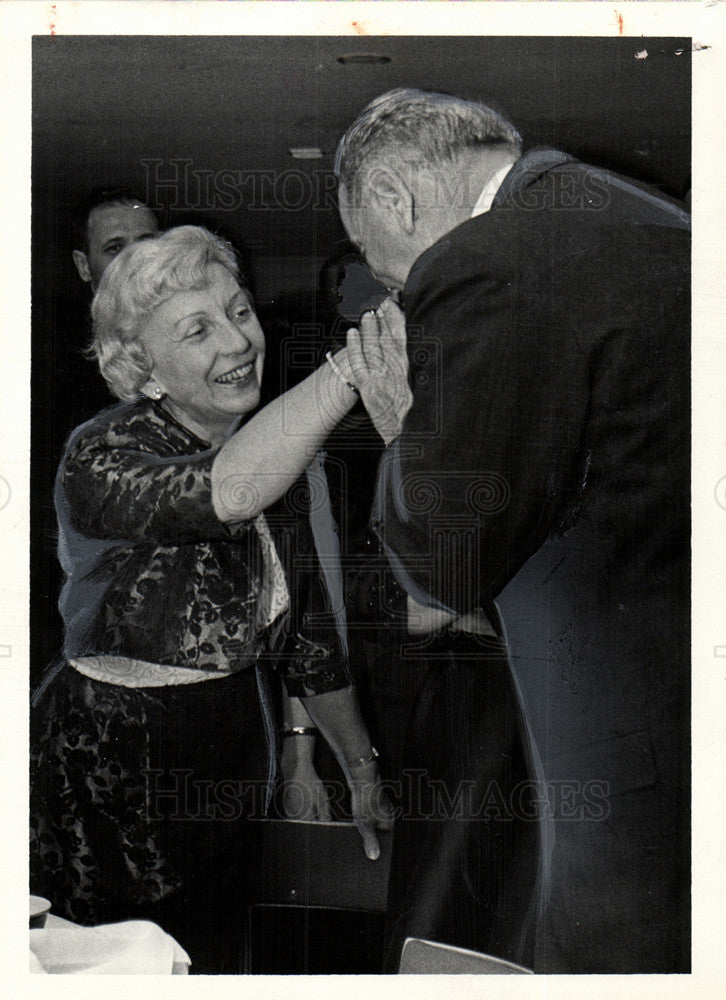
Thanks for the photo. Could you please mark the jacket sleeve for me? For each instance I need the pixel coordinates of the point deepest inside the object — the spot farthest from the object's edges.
(126, 493)
(493, 441)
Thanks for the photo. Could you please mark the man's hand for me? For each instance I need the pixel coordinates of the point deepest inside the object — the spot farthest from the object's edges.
(337, 716)
(379, 365)
(371, 807)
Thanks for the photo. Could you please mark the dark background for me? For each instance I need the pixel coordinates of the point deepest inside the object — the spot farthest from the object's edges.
(201, 127)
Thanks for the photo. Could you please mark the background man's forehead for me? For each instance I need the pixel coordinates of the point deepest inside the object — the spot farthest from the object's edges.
(118, 207)
(109, 214)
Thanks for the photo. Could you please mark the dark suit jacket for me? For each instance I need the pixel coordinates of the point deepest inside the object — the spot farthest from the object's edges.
(544, 465)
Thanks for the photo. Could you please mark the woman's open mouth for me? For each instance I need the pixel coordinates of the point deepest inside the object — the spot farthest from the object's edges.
(236, 375)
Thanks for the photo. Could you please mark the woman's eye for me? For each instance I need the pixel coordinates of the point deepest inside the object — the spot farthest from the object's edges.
(241, 313)
(195, 333)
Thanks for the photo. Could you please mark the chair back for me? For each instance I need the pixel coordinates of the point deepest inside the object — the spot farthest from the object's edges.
(421, 957)
(318, 864)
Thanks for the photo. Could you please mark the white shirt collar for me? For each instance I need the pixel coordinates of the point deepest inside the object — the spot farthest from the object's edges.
(487, 196)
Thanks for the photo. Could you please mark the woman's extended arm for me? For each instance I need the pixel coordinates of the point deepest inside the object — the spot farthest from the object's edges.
(257, 464)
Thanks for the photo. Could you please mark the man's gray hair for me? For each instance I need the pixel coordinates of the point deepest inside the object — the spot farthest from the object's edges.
(419, 126)
(144, 275)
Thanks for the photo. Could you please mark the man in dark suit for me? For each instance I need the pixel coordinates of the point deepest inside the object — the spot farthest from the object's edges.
(541, 474)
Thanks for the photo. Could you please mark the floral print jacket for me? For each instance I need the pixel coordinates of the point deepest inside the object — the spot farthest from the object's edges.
(151, 572)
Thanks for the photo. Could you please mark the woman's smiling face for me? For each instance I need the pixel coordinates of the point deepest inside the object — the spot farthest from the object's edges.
(207, 350)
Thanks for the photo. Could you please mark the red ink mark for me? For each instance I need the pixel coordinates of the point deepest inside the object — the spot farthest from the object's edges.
(358, 27)
(51, 23)
(620, 22)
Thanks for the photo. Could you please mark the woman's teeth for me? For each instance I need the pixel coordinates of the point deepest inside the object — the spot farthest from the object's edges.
(236, 375)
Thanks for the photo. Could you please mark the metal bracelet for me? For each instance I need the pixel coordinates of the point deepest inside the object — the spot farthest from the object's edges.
(300, 731)
(341, 377)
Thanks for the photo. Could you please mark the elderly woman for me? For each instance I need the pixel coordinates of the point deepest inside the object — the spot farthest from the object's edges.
(155, 736)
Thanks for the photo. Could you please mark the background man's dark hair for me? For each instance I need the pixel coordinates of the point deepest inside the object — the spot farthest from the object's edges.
(98, 196)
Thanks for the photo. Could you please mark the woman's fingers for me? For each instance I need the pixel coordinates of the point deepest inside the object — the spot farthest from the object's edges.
(370, 334)
(393, 324)
(365, 350)
(379, 342)
(356, 358)
(378, 362)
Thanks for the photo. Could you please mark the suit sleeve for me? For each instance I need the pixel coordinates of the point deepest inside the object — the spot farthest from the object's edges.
(491, 450)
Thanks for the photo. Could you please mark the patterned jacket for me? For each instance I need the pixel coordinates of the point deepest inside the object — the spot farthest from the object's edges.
(151, 572)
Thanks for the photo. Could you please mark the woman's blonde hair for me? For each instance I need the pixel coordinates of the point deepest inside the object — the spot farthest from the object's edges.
(143, 276)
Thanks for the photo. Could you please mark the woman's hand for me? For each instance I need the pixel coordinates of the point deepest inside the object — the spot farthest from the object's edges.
(378, 362)
(303, 794)
(372, 809)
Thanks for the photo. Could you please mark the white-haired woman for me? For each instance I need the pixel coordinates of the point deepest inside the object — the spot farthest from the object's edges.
(154, 735)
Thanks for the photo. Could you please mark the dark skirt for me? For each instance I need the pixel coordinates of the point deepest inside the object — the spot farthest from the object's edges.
(139, 801)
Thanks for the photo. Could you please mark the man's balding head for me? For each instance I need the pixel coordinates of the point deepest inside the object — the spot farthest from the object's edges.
(422, 127)
(411, 167)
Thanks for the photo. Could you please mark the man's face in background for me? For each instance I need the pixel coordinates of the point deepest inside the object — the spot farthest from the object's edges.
(111, 227)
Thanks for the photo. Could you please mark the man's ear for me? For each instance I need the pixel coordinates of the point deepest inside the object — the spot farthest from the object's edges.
(81, 262)
(393, 194)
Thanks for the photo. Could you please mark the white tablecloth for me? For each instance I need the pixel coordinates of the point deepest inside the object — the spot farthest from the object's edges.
(128, 948)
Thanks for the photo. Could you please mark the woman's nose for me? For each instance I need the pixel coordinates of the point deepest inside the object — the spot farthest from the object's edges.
(231, 337)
